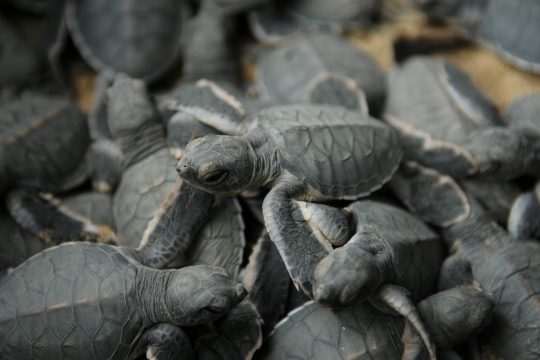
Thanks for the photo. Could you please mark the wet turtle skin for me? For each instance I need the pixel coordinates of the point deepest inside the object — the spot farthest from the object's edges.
(94, 301)
(508, 28)
(140, 38)
(43, 141)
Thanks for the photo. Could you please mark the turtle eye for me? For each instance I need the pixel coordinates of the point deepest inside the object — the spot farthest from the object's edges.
(215, 177)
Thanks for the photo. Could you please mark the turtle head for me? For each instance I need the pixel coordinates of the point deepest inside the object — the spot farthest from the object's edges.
(347, 276)
(201, 294)
(218, 164)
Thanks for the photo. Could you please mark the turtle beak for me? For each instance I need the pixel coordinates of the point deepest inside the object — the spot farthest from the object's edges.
(184, 168)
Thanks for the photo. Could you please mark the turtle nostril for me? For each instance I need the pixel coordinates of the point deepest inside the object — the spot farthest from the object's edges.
(182, 166)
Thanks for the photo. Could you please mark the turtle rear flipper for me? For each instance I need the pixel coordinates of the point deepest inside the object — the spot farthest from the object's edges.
(397, 299)
(47, 218)
(164, 341)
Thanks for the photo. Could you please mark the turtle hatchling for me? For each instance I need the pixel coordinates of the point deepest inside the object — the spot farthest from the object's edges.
(95, 301)
(509, 28)
(302, 152)
(321, 68)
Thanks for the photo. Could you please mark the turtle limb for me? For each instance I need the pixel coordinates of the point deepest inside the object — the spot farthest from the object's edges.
(335, 89)
(105, 163)
(174, 224)
(397, 300)
(455, 271)
(242, 327)
(412, 344)
(348, 275)
(300, 250)
(335, 224)
(164, 342)
(524, 218)
(417, 186)
(47, 218)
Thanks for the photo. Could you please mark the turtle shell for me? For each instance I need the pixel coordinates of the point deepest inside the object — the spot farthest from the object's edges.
(140, 38)
(435, 107)
(312, 332)
(291, 72)
(95, 206)
(42, 141)
(511, 29)
(338, 153)
(76, 300)
(341, 11)
(143, 188)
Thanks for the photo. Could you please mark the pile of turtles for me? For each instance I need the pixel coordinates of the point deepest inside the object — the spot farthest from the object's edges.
(328, 209)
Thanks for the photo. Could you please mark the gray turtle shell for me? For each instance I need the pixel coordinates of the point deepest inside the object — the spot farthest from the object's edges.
(38, 318)
(338, 153)
(511, 29)
(435, 107)
(287, 73)
(42, 141)
(140, 38)
(97, 207)
(348, 12)
(312, 332)
(143, 188)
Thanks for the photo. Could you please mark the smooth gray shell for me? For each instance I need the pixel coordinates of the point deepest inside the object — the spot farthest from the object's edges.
(55, 280)
(292, 70)
(140, 38)
(97, 207)
(338, 153)
(435, 107)
(143, 188)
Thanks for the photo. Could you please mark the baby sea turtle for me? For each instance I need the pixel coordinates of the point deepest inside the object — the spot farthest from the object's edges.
(508, 28)
(42, 143)
(505, 268)
(148, 175)
(362, 332)
(524, 218)
(321, 68)
(140, 38)
(302, 152)
(386, 241)
(279, 20)
(447, 124)
(95, 301)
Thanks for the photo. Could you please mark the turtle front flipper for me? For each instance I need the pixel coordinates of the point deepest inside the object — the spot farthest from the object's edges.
(54, 223)
(398, 300)
(105, 163)
(174, 224)
(524, 218)
(417, 186)
(215, 347)
(165, 341)
(300, 248)
(455, 271)
(332, 223)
